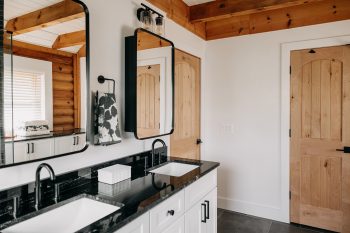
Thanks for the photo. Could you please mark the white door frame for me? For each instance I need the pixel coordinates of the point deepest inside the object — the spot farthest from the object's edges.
(286, 49)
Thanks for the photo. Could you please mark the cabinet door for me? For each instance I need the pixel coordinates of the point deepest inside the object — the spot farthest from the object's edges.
(9, 153)
(139, 225)
(64, 145)
(177, 227)
(194, 219)
(211, 211)
(21, 152)
(41, 148)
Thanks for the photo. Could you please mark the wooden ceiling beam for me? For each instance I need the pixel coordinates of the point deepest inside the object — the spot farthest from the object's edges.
(178, 11)
(290, 17)
(82, 51)
(70, 39)
(42, 53)
(222, 9)
(58, 13)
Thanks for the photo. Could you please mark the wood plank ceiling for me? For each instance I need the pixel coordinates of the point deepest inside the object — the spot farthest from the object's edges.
(46, 23)
(227, 18)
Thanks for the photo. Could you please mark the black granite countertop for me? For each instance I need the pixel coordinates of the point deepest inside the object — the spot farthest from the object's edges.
(53, 134)
(137, 195)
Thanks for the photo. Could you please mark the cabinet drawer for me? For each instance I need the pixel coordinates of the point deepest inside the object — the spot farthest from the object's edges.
(35, 149)
(177, 227)
(196, 191)
(163, 215)
(139, 225)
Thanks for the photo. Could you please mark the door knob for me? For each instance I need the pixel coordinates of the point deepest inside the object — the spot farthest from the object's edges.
(199, 141)
(345, 150)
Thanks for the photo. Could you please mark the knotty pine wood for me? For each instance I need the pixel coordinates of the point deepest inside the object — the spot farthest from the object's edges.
(221, 9)
(183, 142)
(320, 113)
(70, 39)
(148, 41)
(77, 91)
(290, 17)
(179, 12)
(55, 14)
(148, 101)
(41, 53)
(65, 81)
(250, 17)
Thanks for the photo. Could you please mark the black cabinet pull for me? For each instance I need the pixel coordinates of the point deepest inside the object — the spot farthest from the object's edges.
(345, 150)
(74, 138)
(205, 217)
(77, 140)
(32, 148)
(28, 148)
(199, 141)
(171, 212)
(208, 207)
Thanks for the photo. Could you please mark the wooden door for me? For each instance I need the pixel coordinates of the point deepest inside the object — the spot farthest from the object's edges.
(148, 101)
(320, 124)
(183, 142)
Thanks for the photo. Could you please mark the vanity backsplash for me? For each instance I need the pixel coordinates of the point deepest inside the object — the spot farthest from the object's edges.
(19, 201)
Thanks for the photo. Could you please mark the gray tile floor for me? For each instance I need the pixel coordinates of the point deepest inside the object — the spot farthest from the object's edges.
(231, 222)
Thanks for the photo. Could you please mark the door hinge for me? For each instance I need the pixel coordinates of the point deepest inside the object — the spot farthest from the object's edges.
(290, 195)
(290, 69)
(290, 133)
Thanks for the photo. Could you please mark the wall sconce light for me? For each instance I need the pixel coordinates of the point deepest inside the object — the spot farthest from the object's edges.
(145, 16)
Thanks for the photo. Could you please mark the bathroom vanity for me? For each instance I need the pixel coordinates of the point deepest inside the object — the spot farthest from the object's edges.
(150, 201)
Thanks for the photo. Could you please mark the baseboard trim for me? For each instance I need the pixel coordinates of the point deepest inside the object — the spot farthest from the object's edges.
(262, 211)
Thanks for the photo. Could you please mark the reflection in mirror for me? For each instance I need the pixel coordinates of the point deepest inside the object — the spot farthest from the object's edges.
(44, 86)
(154, 85)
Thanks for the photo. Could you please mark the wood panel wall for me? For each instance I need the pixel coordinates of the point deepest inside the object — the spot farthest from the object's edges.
(65, 82)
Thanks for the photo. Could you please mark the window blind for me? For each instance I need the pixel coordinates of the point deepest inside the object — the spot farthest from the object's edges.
(26, 97)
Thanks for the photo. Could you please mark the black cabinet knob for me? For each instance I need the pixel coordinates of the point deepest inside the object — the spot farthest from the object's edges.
(171, 212)
(199, 141)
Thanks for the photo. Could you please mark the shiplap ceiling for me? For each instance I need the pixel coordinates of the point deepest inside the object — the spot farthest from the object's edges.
(47, 36)
(196, 2)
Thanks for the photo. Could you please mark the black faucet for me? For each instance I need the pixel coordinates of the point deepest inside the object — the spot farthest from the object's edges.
(153, 150)
(37, 184)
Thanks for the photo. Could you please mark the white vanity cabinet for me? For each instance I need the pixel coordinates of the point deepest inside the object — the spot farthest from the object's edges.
(139, 225)
(177, 227)
(191, 210)
(35, 149)
(42, 148)
(164, 214)
(68, 144)
(201, 205)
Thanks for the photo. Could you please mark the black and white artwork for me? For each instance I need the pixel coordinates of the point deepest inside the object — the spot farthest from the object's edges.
(108, 124)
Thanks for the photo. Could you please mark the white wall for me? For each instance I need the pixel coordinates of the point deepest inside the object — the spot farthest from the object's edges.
(241, 117)
(110, 22)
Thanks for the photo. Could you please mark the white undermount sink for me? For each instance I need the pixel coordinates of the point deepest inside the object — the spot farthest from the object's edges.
(68, 218)
(174, 169)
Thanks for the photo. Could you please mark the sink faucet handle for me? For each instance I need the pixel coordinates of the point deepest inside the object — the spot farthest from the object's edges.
(13, 210)
(57, 192)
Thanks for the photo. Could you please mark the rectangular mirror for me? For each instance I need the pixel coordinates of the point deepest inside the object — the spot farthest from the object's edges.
(45, 80)
(149, 85)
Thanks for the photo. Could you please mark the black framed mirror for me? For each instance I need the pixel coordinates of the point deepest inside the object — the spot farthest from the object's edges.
(149, 85)
(45, 109)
